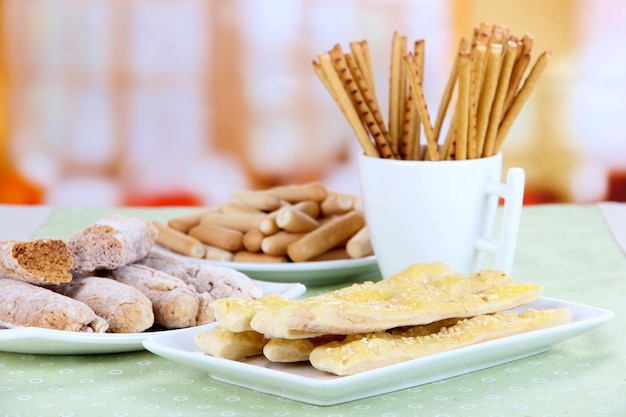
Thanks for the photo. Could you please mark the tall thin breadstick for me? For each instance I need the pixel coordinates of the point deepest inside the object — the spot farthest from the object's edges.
(462, 110)
(411, 133)
(476, 79)
(339, 62)
(487, 94)
(508, 61)
(343, 101)
(422, 108)
(360, 51)
(366, 91)
(449, 89)
(521, 98)
(516, 78)
(395, 84)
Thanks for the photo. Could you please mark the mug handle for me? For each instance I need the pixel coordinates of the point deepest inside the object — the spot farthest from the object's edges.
(513, 194)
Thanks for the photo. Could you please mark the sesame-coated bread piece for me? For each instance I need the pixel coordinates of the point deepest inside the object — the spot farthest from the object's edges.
(37, 261)
(26, 305)
(112, 242)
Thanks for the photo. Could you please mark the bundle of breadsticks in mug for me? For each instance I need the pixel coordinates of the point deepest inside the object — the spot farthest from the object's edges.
(491, 78)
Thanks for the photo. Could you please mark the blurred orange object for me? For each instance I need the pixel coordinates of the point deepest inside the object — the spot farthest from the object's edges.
(15, 189)
(617, 186)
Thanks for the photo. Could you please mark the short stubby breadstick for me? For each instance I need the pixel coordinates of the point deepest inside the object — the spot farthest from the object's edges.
(277, 243)
(258, 257)
(337, 203)
(178, 242)
(252, 240)
(326, 237)
(261, 200)
(222, 237)
(360, 244)
(184, 223)
(213, 253)
(295, 221)
(314, 191)
(238, 221)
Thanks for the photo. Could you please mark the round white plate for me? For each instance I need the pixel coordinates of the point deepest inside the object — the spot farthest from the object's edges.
(308, 273)
(35, 340)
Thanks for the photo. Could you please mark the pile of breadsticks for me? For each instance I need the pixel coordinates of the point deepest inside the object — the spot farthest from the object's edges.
(489, 76)
(110, 277)
(290, 223)
(424, 310)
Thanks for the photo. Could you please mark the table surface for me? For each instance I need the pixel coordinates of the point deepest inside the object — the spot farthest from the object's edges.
(569, 249)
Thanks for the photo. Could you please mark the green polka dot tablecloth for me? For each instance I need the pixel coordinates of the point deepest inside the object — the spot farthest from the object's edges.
(570, 250)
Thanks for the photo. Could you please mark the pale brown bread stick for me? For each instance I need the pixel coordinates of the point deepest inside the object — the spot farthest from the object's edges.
(295, 193)
(258, 257)
(476, 76)
(214, 253)
(412, 132)
(490, 84)
(498, 102)
(422, 108)
(222, 343)
(331, 255)
(327, 72)
(336, 203)
(462, 122)
(178, 242)
(277, 243)
(516, 78)
(236, 206)
(360, 245)
(261, 200)
(219, 236)
(237, 221)
(359, 103)
(252, 240)
(360, 51)
(368, 95)
(326, 237)
(293, 220)
(447, 93)
(184, 223)
(312, 208)
(521, 98)
(395, 84)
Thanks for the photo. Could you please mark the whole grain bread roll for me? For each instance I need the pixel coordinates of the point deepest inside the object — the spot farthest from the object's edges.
(125, 308)
(36, 261)
(112, 242)
(210, 282)
(27, 305)
(174, 303)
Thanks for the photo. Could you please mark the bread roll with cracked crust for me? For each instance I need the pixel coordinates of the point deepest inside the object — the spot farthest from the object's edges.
(27, 305)
(125, 308)
(37, 261)
(210, 282)
(174, 303)
(112, 242)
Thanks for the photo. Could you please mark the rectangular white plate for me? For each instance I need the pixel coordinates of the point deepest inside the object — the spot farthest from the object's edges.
(302, 382)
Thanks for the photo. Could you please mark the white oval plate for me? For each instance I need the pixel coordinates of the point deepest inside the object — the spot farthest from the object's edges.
(35, 340)
(308, 273)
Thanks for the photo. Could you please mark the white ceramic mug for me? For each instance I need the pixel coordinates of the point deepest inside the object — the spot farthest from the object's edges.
(441, 211)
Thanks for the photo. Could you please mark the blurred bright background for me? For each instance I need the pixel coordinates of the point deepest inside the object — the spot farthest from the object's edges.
(181, 102)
